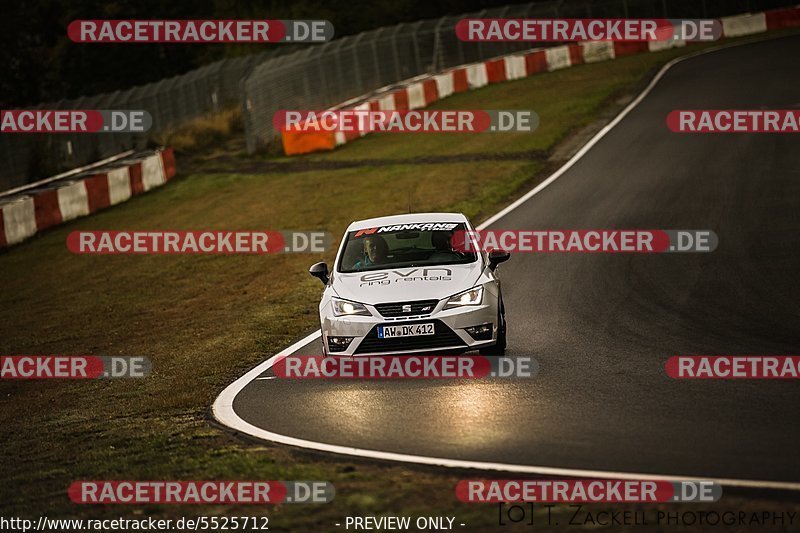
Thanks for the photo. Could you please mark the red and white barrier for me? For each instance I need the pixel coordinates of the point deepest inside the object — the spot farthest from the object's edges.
(744, 24)
(119, 185)
(421, 92)
(477, 76)
(594, 51)
(73, 201)
(558, 57)
(153, 172)
(25, 214)
(416, 96)
(386, 103)
(18, 221)
(444, 85)
(783, 18)
(515, 67)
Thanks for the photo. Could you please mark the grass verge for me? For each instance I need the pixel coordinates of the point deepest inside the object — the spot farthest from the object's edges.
(205, 320)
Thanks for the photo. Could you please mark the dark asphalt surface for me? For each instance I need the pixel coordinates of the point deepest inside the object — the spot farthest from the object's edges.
(602, 326)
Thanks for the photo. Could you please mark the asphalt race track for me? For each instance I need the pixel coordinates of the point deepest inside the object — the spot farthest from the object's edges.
(602, 326)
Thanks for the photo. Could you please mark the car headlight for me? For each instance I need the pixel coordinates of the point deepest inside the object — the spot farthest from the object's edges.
(347, 308)
(474, 296)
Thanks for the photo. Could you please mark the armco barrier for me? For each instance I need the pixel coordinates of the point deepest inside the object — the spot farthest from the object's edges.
(29, 212)
(515, 66)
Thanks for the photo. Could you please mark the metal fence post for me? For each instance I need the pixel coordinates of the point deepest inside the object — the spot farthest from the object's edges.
(437, 45)
(373, 40)
(416, 46)
(395, 54)
(356, 70)
(480, 43)
(337, 55)
(323, 79)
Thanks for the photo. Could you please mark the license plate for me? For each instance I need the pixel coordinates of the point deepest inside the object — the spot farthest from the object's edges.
(409, 330)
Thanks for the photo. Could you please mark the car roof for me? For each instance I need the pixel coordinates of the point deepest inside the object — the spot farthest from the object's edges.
(406, 219)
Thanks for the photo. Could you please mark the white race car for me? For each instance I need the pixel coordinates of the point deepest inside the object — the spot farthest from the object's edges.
(401, 285)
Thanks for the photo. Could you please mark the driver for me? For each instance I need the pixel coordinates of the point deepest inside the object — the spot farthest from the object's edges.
(376, 252)
(443, 248)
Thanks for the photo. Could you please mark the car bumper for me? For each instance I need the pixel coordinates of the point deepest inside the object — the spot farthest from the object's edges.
(451, 335)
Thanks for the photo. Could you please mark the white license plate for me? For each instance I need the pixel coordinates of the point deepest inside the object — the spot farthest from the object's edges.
(409, 330)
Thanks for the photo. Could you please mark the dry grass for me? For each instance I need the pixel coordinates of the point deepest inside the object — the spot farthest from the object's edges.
(202, 133)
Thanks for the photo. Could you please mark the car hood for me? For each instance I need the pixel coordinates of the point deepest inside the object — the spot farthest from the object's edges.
(407, 284)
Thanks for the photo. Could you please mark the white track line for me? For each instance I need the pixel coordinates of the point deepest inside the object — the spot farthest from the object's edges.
(223, 405)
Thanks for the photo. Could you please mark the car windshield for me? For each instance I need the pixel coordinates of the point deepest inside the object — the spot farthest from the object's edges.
(403, 245)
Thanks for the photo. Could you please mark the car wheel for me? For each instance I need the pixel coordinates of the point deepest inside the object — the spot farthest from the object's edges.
(499, 347)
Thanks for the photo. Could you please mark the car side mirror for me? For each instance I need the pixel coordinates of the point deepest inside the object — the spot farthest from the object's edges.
(496, 257)
(320, 270)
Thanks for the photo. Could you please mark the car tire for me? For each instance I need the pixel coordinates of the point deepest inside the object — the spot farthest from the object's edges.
(499, 347)
(324, 348)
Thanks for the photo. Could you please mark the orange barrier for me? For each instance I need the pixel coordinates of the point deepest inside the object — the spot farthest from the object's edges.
(303, 142)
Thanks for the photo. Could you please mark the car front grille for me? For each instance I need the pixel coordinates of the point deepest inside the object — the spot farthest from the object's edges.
(443, 337)
(394, 309)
